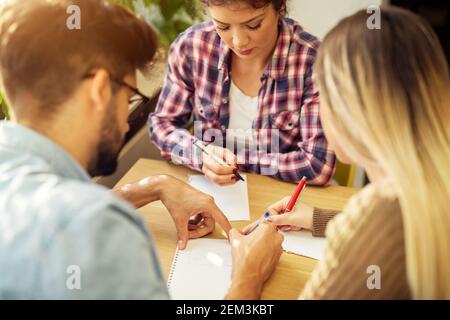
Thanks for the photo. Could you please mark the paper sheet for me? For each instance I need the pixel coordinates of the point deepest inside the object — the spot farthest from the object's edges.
(304, 244)
(232, 200)
(202, 271)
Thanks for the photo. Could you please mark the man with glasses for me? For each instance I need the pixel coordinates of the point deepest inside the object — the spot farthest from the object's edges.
(62, 236)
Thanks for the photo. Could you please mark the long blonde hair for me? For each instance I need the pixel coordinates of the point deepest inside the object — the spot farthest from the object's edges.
(388, 92)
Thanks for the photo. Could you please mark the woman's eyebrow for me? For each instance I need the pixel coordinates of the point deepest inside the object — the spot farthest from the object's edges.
(248, 21)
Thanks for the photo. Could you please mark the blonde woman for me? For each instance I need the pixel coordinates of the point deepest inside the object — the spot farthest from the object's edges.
(385, 106)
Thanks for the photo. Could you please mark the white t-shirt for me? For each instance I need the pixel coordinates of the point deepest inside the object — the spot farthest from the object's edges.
(243, 110)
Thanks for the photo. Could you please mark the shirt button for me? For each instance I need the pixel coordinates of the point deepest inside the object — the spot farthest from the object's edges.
(224, 100)
(200, 110)
(223, 127)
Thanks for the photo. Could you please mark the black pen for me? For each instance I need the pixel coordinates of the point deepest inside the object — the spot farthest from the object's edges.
(217, 159)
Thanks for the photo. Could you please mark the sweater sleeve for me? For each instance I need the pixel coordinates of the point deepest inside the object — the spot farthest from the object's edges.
(321, 217)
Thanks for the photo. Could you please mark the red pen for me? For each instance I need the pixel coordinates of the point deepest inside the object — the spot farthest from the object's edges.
(298, 190)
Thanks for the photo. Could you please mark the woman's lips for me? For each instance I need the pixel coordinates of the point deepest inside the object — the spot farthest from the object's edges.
(245, 52)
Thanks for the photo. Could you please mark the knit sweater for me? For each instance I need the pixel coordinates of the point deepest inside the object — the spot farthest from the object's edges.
(365, 240)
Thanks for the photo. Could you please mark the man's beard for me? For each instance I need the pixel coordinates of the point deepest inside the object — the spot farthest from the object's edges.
(104, 161)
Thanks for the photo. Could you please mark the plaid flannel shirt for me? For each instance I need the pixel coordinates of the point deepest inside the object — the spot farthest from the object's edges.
(197, 85)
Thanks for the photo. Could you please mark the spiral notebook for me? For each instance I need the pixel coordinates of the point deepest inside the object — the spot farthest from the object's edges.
(202, 271)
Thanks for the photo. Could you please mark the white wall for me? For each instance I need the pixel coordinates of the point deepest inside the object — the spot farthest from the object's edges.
(319, 16)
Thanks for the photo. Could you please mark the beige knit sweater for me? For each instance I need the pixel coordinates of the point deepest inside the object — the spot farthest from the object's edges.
(368, 232)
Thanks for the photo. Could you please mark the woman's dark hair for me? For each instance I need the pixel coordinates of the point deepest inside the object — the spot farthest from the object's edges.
(279, 5)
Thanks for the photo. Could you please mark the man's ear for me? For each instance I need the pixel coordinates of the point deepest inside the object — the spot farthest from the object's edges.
(100, 90)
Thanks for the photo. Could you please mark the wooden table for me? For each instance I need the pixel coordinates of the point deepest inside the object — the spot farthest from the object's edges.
(292, 271)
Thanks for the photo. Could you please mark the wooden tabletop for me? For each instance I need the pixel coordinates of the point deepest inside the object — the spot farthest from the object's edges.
(292, 271)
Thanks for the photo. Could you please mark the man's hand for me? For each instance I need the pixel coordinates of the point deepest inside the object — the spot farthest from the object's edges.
(254, 259)
(193, 212)
(301, 217)
(222, 175)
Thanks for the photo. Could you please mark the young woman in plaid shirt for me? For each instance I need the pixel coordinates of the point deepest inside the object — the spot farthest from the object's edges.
(245, 78)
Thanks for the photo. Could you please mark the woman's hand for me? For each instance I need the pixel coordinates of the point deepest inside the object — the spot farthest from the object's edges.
(222, 175)
(301, 216)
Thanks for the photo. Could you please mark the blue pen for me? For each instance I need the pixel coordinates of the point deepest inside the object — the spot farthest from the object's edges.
(265, 217)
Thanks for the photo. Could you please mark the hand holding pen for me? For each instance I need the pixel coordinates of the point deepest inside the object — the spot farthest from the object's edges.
(281, 213)
(298, 218)
(219, 164)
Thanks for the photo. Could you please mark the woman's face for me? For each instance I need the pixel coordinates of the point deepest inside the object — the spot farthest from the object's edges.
(334, 141)
(250, 33)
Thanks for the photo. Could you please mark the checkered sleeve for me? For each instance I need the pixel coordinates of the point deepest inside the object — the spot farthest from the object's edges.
(174, 109)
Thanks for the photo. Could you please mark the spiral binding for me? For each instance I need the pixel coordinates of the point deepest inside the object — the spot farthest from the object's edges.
(172, 268)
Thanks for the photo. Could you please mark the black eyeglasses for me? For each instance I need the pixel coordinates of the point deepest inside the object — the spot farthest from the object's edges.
(138, 97)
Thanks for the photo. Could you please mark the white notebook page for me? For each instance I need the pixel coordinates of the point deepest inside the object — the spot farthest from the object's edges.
(202, 271)
(303, 243)
(232, 200)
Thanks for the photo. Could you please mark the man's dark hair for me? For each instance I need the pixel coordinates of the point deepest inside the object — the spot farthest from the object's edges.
(43, 59)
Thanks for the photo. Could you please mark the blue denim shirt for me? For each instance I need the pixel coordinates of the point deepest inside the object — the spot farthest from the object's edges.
(62, 236)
